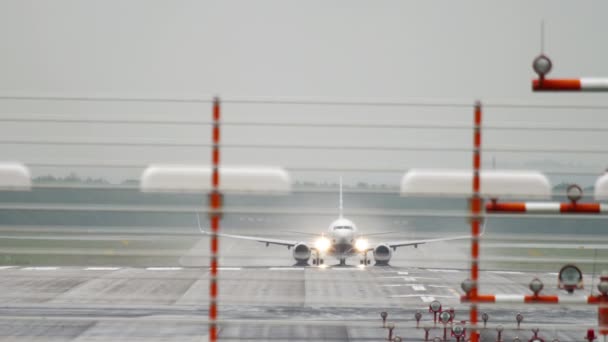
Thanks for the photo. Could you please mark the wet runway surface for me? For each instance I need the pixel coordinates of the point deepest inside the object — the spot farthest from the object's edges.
(282, 303)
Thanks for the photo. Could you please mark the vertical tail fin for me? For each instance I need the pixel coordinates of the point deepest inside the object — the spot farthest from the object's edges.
(341, 203)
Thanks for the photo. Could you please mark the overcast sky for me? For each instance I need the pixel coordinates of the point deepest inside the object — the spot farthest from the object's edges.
(446, 51)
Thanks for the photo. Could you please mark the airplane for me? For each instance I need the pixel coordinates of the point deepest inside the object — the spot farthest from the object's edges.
(343, 241)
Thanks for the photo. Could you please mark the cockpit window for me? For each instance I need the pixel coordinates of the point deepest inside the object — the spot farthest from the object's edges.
(344, 227)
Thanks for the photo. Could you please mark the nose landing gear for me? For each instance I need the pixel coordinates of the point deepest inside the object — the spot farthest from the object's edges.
(364, 260)
(317, 260)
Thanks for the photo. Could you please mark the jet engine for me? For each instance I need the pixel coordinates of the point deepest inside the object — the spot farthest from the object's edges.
(382, 254)
(301, 252)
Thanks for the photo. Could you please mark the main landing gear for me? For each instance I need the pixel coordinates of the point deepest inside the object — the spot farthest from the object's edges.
(317, 260)
(364, 260)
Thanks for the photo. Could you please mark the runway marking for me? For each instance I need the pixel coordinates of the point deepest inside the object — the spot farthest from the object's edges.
(506, 272)
(412, 279)
(346, 269)
(442, 270)
(45, 268)
(553, 274)
(454, 292)
(7, 267)
(426, 299)
(400, 277)
(163, 268)
(286, 268)
(102, 268)
(229, 268)
(416, 287)
(404, 273)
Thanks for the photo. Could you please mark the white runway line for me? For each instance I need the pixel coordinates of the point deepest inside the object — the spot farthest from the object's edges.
(442, 270)
(419, 295)
(456, 294)
(286, 268)
(229, 268)
(442, 286)
(347, 268)
(410, 279)
(403, 273)
(7, 267)
(418, 288)
(163, 268)
(427, 299)
(46, 268)
(102, 268)
(506, 272)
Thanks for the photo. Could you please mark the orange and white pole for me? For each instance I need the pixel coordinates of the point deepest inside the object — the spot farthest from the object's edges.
(575, 84)
(542, 65)
(529, 299)
(215, 206)
(475, 220)
(547, 207)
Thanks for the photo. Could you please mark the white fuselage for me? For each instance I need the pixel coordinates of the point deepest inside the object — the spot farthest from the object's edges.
(342, 237)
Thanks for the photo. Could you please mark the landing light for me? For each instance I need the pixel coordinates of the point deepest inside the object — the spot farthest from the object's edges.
(361, 245)
(322, 244)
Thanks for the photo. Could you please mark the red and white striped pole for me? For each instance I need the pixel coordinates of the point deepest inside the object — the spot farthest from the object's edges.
(547, 207)
(475, 220)
(542, 65)
(215, 206)
(574, 84)
(532, 299)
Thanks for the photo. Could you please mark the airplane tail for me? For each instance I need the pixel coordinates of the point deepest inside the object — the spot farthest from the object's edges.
(341, 208)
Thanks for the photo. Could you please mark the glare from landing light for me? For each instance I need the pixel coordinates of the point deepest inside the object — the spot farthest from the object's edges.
(361, 245)
(322, 244)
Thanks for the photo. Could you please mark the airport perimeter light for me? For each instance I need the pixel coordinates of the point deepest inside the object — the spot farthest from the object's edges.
(499, 330)
(384, 315)
(519, 318)
(536, 285)
(15, 177)
(570, 278)
(418, 316)
(485, 317)
(391, 327)
(457, 183)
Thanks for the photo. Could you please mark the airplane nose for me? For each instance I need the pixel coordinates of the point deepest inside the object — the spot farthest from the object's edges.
(343, 238)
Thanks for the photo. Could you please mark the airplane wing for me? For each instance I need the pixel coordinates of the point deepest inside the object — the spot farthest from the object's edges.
(415, 243)
(395, 244)
(267, 241)
(302, 233)
(258, 239)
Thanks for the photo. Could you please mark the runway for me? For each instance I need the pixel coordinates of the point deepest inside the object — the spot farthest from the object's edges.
(280, 303)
